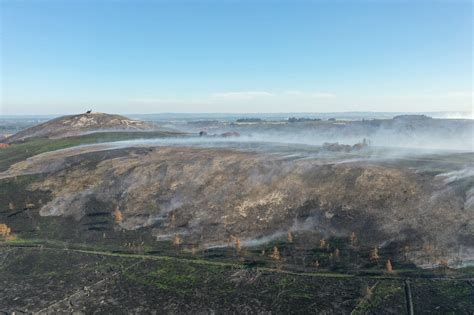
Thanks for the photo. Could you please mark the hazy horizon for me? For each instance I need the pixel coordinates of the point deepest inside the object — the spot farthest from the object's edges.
(361, 114)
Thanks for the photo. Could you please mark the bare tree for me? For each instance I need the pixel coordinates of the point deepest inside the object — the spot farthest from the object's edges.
(275, 254)
(172, 219)
(238, 245)
(336, 254)
(388, 267)
(290, 237)
(367, 292)
(353, 239)
(177, 240)
(430, 251)
(4, 230)
(118, 216)
(374, 255)
(322, 244)
(406, 249)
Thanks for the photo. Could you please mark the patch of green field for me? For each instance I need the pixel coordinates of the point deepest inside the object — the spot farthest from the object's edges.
(228, 286)
(179, 278)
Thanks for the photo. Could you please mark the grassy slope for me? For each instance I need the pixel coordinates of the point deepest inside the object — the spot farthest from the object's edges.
(178, 276)
(23, 150)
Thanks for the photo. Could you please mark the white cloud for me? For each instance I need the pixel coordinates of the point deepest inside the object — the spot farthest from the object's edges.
(238, 96)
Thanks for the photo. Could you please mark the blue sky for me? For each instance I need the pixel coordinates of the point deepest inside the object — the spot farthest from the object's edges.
(235, 56)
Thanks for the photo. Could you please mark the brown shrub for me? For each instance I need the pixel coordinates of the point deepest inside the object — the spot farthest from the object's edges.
(353, 239)
(172, 219)
(374, 255)
(118, 215)
(275, 254)
(322, 243)
(177, 240)
(388, 267)
(4, 230)
(367, 292)
(290, 237)
(336, 254)
(238, 245)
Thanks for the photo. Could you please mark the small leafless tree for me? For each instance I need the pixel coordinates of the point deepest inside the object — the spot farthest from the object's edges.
(406, 250)
(118, 216)
(172, 219)
(353, 239)
(388, 267)
(238, 244)
(290, 237)
(322, 244)
(336, 254)
(367, 292)
(4, 230)
(177, 241)
(374, 255)
(275, 254)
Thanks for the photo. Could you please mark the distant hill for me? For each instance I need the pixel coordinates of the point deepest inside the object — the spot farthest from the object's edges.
(73, 125)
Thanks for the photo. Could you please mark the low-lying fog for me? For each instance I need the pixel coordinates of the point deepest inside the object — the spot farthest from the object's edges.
(296, 146)
(405, 131)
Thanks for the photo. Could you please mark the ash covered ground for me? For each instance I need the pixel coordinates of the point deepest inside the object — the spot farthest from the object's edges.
(301, 214)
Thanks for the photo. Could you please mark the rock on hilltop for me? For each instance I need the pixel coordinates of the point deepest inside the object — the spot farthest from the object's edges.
(73, 125)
